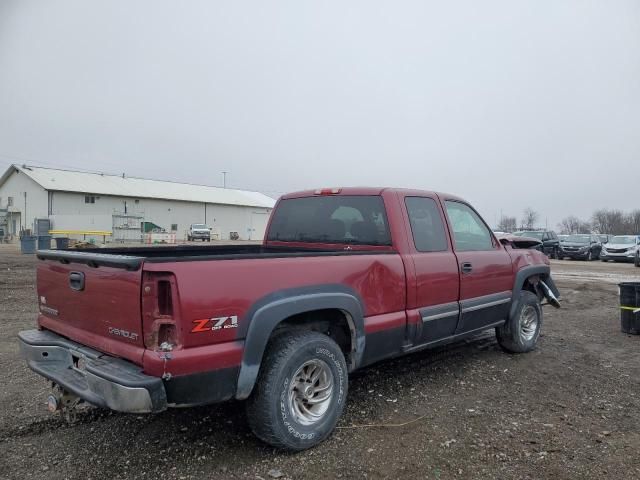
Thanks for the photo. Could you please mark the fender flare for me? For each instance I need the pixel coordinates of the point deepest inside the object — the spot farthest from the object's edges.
(543, 271)
(269, 312)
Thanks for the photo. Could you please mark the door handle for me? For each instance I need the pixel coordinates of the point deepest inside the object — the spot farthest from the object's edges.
(76, 281)
(466, 267)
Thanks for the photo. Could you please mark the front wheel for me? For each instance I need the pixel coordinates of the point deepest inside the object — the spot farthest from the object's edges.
(300, 392)
(636, 262)
(520, 333)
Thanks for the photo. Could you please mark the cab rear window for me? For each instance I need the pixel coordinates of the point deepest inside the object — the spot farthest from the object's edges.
(342, 219)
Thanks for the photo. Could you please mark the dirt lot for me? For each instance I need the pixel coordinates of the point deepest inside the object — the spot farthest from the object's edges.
(571, 409)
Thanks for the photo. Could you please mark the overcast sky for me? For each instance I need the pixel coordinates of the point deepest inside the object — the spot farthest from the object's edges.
(506, 103)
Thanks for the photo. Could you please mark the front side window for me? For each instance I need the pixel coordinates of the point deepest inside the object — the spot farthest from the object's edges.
(343, 219)
(427, 228)
(469, 231)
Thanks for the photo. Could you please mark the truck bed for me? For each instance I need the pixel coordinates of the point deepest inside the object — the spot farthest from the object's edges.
(131, 258)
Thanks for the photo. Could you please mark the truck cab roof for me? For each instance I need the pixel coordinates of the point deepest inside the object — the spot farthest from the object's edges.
(367, 191)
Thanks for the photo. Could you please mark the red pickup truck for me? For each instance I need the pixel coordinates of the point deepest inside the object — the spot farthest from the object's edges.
(344, 278)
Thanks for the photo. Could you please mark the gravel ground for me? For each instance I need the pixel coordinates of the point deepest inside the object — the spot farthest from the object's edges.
(570, 409)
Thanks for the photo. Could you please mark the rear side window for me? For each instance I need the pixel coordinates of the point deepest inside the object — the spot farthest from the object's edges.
(469, 231)
(358, 220)
(426, 224)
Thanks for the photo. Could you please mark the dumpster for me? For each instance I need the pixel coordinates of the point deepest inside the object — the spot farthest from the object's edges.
(62, 243)
(28, 243)
(630, 307)
(44, 242)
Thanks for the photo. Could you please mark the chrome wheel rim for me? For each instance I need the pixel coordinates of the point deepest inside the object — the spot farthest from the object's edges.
(528, 322)
(310, 392)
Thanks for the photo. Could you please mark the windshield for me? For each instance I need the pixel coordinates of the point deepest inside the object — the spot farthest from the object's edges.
(537, 235)
(199, 225)
(579, 238)
(356, 219)
(624, 239)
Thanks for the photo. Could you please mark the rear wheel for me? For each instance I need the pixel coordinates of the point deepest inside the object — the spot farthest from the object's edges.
(520, 333)
(300, 392)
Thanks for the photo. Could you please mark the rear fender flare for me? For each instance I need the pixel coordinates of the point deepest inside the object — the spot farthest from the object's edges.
(268, 314)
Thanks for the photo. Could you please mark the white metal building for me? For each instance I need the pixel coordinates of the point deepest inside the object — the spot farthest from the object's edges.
(74, 200)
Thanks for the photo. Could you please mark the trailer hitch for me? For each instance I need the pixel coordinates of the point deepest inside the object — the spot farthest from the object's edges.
(60, 400)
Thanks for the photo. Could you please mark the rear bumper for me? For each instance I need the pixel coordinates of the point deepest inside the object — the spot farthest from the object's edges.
(97, 378)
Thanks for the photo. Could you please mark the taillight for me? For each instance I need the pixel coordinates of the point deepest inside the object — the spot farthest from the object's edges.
(165, 299)
(159, 319)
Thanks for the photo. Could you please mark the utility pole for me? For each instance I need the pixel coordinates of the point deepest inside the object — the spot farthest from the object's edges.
(224, 179)
(25, 211)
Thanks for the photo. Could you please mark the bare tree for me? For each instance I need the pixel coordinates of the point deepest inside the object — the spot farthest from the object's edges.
(569, 225)
(529, 218)
(609, 221)
(573, 224)
(508, 224)
(633, 220)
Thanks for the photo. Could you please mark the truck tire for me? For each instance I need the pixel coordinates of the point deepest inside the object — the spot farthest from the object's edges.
(300, 392)
(520, 333)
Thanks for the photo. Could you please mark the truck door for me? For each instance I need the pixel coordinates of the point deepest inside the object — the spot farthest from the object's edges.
(436, 271)
(486, 272)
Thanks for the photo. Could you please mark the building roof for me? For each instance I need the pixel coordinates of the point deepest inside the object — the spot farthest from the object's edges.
(123, 186)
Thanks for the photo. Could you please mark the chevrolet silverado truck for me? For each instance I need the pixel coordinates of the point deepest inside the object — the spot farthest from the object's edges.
(344, 278)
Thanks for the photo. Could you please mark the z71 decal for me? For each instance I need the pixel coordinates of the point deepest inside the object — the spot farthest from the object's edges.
(212, 324)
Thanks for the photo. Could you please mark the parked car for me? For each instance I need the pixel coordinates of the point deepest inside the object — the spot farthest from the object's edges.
(604, 238)
(581, 247)
(549, 239)
(344, 278)
(199, 231)
(621, 248)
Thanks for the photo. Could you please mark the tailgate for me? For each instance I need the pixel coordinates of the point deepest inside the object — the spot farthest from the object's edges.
(93, 299)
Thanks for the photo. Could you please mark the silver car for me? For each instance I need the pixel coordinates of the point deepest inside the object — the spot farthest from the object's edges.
(621, 248)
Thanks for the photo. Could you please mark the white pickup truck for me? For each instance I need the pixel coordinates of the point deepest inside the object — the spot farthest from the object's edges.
(199, 231)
